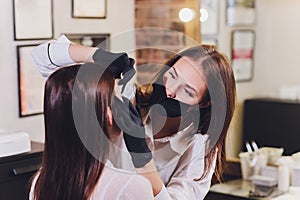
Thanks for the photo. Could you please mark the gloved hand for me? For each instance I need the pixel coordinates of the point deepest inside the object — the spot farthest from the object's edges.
(118, 63)
(49, 56)
(129, 120)
(126, 84)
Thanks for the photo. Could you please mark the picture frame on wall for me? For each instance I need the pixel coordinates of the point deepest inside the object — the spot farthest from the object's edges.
(30, 83)
(100, 40)
(240, 12)
(89, 9)
(33, 20)
(242, 54)
(210, 41)
(209, 17)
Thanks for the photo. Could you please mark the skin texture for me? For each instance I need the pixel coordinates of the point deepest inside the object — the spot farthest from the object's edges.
(184, 82)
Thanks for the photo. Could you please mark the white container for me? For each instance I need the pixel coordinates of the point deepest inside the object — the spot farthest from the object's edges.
(251, 164)
(264, 181)
(12, 143)
(246, 167)
(283, 177)
(296, 177)
(272, 153)
(270, 171)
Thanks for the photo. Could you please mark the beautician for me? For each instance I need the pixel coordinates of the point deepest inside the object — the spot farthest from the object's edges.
(187, 137)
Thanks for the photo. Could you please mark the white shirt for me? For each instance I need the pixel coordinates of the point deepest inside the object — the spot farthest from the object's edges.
(179, 160)
(116, 184)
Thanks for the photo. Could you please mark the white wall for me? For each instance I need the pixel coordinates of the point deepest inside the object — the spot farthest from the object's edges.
(115, 23)
(276, 56)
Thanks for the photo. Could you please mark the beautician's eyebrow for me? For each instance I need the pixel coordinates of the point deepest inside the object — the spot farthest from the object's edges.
(175, 71)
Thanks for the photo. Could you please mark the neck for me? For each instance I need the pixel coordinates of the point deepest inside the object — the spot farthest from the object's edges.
(113, 132)
(163, 127)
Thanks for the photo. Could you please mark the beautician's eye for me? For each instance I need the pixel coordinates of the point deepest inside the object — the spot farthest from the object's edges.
(189, 93)
(172, 75)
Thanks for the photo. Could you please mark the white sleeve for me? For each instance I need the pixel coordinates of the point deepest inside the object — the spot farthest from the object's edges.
(58, 50)
(163, 194)
(182, 185)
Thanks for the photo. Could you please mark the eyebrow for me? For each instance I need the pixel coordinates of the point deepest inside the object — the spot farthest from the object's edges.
(175, 71)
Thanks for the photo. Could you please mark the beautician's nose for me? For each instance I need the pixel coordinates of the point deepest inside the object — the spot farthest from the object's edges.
(171, 89)
(170, 93)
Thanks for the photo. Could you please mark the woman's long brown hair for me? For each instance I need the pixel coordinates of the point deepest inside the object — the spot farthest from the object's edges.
(216, 68)
(69, 170)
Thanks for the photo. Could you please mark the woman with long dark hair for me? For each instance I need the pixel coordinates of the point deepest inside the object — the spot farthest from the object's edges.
(79, 128)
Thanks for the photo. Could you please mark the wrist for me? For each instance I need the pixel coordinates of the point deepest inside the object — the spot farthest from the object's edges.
(82, 54)
(149, 167)
(149, 172)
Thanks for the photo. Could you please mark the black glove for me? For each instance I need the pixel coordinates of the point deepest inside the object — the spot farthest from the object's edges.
(129, 120)
(118, 63)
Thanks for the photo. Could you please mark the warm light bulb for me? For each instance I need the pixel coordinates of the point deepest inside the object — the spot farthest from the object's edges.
(186, 14)
(203, 15)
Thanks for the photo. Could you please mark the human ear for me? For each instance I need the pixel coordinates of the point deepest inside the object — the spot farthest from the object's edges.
(109, 116)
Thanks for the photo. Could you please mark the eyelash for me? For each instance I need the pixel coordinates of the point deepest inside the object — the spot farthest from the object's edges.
(172, 75)
(186, 91)
(189, 93)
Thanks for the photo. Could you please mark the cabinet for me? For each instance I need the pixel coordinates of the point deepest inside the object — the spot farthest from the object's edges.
(16, 172)
(272, 122)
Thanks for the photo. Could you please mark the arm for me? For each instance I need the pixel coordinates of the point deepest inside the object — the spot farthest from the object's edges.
(190, 166)
(181, 185)
(129, 120)
(149, 172)
(81, 54)
(51, 55)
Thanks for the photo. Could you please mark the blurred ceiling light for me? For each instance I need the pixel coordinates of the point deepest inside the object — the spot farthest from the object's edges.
(203, 15)
(186, 14)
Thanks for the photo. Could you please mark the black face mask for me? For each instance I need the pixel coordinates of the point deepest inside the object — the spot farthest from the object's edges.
(171, 107)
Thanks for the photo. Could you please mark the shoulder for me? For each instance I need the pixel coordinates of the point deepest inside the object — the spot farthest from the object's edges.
(138, 188)
(118, 184)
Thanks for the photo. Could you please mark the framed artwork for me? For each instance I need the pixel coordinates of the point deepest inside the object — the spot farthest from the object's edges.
(33, 19)
(240, 12)
(91, 40)
(242, 54)
(30, 83)
(89, 9)
(209, 17)
(210, 41)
